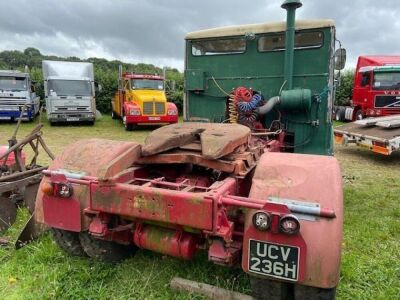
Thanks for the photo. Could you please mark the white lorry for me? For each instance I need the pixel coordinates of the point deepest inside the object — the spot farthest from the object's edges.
(17, 90)
(69, 91)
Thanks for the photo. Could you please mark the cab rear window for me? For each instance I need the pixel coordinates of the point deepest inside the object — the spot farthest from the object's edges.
(218, 47)
(303, 40)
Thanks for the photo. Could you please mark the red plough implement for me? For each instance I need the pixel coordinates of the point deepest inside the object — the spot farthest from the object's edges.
(19, 182)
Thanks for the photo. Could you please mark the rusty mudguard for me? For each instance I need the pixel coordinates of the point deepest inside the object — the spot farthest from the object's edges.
(92, 157)
(311, 180)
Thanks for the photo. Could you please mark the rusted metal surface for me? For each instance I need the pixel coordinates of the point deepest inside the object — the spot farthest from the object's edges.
(217, 140)
(63, 213)
(8, 213)
(275, 237)
(30, 195)
(31, 231)
(225, 254)
(313, 179)
(239, 164)
(17, 146)
(120, 197)
(104, 158)
(19, 182)
(17, 175)
(154, 203)
(172, 242)
(97, 157)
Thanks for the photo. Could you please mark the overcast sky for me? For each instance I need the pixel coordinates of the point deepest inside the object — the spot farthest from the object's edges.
(153, 31)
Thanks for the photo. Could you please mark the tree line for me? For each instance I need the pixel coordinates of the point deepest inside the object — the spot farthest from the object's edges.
(105, 73)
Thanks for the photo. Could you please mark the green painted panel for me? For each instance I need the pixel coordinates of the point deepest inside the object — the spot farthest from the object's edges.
(194, 80)
(263, 72)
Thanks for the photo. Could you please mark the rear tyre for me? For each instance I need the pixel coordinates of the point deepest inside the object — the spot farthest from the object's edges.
(105, 251)
(264, 289)
(340, 114)
(313, 293)
(68, 241)
(359, 115)
(113, 115)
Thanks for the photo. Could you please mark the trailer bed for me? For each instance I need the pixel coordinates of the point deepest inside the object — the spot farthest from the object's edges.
(371, 135)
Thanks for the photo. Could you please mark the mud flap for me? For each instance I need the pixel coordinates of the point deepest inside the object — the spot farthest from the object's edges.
(314, 183)
(62, 213)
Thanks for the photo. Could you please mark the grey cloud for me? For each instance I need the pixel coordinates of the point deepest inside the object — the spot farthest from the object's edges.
(153, 31)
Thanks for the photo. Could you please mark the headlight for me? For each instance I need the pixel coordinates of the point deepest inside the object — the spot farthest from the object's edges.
(172, 112)
(289, 224)
(262, 220)
(134, 112)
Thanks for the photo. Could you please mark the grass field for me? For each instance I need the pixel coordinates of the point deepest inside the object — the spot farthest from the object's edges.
(371, 246)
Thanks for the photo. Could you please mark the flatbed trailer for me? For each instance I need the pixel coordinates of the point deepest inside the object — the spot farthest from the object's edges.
(380, 135)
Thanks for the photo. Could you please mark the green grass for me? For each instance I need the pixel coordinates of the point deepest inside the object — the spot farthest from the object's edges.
(371, 247)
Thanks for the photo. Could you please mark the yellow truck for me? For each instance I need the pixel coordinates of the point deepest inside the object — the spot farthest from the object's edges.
(141, 100)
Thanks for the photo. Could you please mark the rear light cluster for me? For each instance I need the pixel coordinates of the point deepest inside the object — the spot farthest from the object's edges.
(62, 190)
(374, 112)
(287, 224)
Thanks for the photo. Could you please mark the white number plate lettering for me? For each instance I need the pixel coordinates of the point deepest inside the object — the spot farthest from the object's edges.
(275, 260)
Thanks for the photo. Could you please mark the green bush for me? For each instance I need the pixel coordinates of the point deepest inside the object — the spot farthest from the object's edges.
(345, 89)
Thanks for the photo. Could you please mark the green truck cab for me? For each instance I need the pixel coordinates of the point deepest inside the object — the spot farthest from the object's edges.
(221, 59)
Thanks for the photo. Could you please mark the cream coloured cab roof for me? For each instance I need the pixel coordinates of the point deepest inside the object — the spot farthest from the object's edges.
(257, 28)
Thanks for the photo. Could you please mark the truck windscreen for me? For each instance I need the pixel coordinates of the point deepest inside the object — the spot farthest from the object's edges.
(69, 87)
(11, 83)
(387, 81)
(147, 84)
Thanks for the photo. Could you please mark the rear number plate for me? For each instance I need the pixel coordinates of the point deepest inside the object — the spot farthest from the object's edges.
(275, 260)
(154, 118)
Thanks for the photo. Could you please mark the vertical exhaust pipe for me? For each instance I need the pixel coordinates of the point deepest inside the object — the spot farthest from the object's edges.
(289, 99)
(290, 6)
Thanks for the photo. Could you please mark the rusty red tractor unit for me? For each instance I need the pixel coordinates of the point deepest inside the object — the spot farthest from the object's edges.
(259, 190)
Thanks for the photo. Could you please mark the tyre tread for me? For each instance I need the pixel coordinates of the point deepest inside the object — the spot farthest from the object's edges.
(106, 251)
(68, 241)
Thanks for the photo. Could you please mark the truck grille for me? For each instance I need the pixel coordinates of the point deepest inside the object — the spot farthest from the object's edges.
(160, 108)
(74, 108)
(391, 102)
(153, 108)
(148, 108)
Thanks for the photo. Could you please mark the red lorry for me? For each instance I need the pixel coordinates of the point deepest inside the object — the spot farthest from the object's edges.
(376, 90)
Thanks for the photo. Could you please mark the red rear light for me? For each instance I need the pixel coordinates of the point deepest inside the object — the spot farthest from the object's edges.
(289, 224)
(63, 190)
